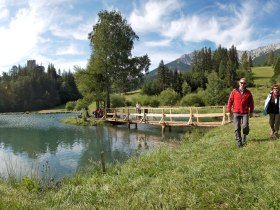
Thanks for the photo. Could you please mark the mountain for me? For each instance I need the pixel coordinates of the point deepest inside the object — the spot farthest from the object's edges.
(259, 56)
(263, 50)
(182, 64)
(262, 59)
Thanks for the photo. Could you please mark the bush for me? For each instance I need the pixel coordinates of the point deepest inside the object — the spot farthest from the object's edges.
(168, 97)
(81, 104)
(117, 101)
(192, 99)
(70, 106)
(154, 102)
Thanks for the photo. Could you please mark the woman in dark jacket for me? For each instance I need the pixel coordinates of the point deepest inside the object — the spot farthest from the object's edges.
(272, 107)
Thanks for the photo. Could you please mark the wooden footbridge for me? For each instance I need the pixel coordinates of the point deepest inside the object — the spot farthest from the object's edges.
(210, 116)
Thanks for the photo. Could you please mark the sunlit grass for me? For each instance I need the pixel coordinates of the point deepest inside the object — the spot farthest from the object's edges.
(262, 75)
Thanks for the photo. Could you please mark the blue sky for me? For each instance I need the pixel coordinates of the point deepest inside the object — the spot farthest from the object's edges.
(56, 31)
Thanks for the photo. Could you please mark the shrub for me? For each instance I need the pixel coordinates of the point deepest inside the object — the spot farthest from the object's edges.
(186, 88)
(81, 104)
(154, 102)
(70, 106)
(168, 97)
(117, 101)
(192, 99)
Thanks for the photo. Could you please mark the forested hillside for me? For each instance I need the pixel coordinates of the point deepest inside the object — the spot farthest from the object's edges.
(31, 88)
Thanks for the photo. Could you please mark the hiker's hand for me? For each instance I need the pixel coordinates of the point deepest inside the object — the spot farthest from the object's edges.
(251, 114)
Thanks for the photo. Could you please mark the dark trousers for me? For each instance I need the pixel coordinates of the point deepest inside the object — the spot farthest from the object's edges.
(238, 120)
(274, 122)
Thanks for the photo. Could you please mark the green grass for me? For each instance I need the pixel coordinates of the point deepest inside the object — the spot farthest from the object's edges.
(205, 172)
(262, 75)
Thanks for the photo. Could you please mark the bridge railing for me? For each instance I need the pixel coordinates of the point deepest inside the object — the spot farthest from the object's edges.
(187, 115)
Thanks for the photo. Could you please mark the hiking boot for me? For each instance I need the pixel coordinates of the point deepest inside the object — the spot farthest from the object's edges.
(239, 143)
(244, 140)
(276, 135)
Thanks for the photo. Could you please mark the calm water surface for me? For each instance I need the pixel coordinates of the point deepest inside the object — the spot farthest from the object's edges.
(29, 142)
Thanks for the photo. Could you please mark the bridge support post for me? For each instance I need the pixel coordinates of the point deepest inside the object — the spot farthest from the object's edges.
(162, 128)
(135, 125)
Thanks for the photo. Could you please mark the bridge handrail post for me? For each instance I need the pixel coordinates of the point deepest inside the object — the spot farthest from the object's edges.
(127, 114)
(190, 120)
(224, 115)
(162, 118)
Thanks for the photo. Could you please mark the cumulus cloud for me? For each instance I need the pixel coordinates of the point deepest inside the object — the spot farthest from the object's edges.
(69, 50)
(28, 34)
(160, 43)
(152, 15)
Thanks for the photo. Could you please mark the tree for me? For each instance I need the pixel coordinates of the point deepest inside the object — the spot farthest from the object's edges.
(250, 61)
(215, 93)
(177, 82)
(163, 76)
(244, 63)
(111, 62)
(277, 67)
(270, 58)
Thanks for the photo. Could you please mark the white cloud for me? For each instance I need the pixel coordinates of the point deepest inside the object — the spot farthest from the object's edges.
(69, 50)
(151, 16)
(4, 13)
(160, 43)
(222, 30)
(27, 34)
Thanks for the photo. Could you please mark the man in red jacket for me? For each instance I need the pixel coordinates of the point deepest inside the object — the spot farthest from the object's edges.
(242, 100)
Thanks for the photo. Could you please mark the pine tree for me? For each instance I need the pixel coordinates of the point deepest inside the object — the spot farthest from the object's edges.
(277, 67)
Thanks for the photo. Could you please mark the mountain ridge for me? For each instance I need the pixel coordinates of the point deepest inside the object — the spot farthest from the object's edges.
(184, 62)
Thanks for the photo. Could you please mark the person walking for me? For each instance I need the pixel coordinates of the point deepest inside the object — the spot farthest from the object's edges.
(242, 102)
(272, 107)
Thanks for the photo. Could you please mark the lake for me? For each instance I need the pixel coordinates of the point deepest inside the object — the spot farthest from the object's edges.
(30, 144)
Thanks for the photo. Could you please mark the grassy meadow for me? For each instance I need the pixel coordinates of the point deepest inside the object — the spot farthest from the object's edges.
(206, 171)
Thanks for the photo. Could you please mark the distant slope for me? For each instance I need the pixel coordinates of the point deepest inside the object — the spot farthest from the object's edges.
(182, 64)
(262, 59)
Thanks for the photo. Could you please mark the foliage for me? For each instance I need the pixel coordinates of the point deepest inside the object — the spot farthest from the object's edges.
(70, 106)
(192, 99)
(27, 89)
(111, 67)
(154, 102)
(163, 77)
(81, 104)
(150, 87)
(186, 88)
(277, 67)
(117, 101)
(216, 92)
(29, 184)
(168, 97)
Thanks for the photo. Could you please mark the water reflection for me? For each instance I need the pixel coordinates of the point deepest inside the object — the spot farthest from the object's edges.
(28, 141)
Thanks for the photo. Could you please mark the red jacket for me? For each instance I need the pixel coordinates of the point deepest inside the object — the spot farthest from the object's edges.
(241, 103)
